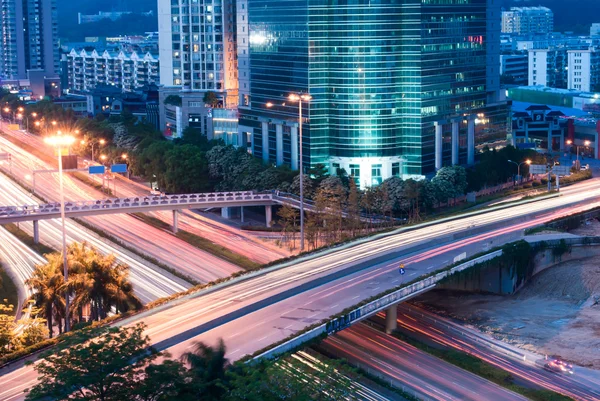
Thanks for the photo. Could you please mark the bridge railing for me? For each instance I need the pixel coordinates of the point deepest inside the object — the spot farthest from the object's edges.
(135, 201)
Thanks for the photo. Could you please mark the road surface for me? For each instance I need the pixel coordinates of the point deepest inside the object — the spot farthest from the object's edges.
(252, 313)
(435, 330)
(222, 234)
(156, 243)
(407, 367)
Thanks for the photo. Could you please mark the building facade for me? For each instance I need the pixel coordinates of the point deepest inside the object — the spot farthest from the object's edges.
(548, 67)
(584, 70)
(197, 48)
(514, 68)
(396, 88)
(528, 21)
(29, 38)
(87, 70)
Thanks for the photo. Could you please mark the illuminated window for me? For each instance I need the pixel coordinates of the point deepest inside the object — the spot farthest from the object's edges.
(376, 174)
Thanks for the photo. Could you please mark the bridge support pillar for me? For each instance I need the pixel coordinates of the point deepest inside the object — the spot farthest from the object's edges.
(391, 319)
(226, 212)
(242, 213)
(36, 231)
(269, 215)
(175, 227)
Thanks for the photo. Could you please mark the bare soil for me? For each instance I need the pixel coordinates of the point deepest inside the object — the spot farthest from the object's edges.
(554, 314)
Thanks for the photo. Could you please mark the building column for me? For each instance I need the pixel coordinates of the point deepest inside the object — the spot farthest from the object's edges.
(242, 213)
(439, 131)
(279, 143)
(175, 227)
(391, 318)
(269, 214)
(550, 139)
(36, 231)
(294, 146)
(471, 141)
(226, 212)
(265, 142)
(455, 132)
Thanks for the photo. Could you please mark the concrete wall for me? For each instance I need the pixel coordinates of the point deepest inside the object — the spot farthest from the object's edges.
(504, 280)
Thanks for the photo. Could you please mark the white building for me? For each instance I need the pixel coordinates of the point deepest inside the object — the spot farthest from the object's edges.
(86, 70)
(584, 70)
(548, 67)
(528, 21)
(197, 50)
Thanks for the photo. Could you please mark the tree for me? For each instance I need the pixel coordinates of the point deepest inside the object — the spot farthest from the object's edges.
(47, 283)
(103, 369)
(288, 219)
(207, 368)
(354, 222)
(7, 328)
(331, 197)
(174, 100)
(211, 99)
(456, 176)
(164, 382)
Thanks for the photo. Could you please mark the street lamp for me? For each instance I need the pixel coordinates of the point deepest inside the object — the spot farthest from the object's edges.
(92, 142)
(586, 143)
(60, 141)
(294, 97)
(528, 162)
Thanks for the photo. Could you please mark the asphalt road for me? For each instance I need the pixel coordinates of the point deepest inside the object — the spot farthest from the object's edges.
(229, 237)
(417, 372)
(525, 366)
(254, 312)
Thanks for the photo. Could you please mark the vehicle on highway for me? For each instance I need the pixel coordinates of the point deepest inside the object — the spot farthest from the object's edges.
(586, 167)
(558, 366)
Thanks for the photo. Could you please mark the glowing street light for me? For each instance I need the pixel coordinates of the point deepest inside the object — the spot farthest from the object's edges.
(60, 141)
(294, 97)
(586, 144)
(528, 162)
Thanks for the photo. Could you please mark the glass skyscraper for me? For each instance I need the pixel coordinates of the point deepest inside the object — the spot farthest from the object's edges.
(396, 85)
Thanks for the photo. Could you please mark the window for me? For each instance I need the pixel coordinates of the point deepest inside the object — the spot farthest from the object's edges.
(395, 169)
(355, 173)
(376, 174)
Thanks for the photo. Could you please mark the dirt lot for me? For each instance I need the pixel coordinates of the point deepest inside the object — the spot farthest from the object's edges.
(553, 314)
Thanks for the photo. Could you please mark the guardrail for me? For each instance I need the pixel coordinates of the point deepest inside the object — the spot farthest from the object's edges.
(385, 301)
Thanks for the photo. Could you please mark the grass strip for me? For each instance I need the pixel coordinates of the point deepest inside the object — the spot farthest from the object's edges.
(133, 250)
(201, 243)
(483, 369)
(28, 239)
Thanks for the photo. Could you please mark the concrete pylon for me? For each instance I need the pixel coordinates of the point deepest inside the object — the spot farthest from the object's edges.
(269, 214)
(175, 227)
(391, 319)
(36, 231)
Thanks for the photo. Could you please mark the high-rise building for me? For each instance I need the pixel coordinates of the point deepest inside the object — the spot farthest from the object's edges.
(528, 21)
(584, 70)
(197, 49)
(398, 88)
(29, 39)
(514, 68)
(548, 67)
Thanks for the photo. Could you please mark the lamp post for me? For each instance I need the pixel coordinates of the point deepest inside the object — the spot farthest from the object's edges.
(586, 143)
(92, 143)
(528, 162)
(60, 141)
(294, 97)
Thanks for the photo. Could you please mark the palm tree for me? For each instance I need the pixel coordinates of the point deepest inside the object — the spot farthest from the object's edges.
(48, 287)
(207, 367)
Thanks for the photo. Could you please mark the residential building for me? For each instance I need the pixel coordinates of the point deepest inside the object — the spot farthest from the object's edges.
(28, 30)
(197, 47)
(514, 68)
(528, 20)
(400, 90)
(127, 72)
(595, 30)
(584, 70)
(548, 67)
(77, 103)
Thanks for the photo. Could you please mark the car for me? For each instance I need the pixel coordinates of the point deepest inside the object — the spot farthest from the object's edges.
(586, 167)
(155, 191)
(558, 366)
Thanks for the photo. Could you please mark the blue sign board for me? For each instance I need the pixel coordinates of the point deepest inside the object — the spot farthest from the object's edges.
(402, 271)
(96, 169)
(118, 168)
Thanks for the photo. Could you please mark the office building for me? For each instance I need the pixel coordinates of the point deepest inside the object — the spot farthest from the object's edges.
(397, 89)
(29, 39)
(127, 72)
(514, 68)
(197, 48)
(548, 67)
(584, 70)
(528, 21)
